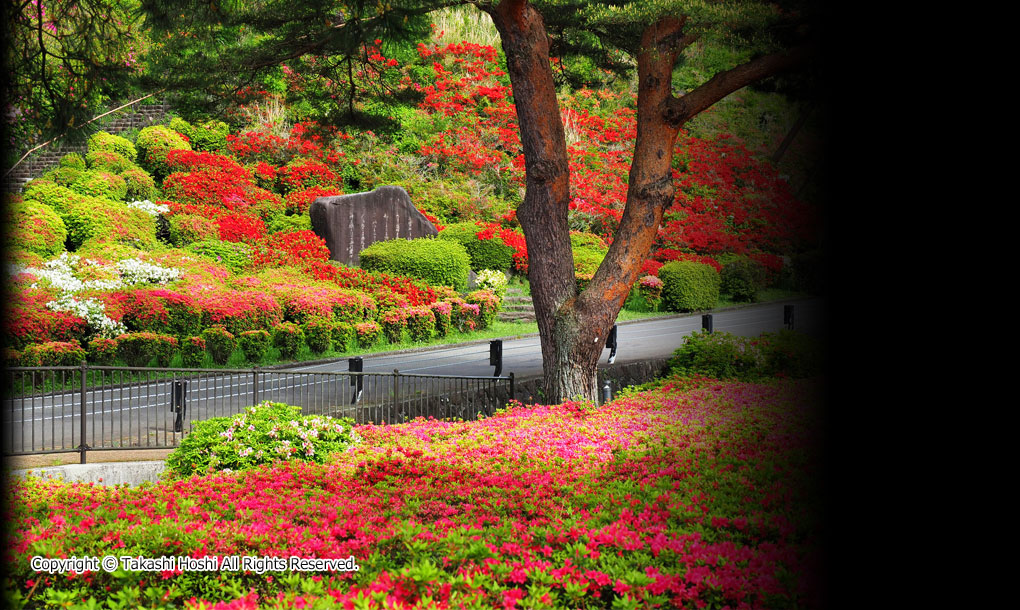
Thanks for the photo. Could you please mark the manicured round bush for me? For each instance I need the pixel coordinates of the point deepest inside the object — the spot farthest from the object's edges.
(154, 143)
(488, 304)
(35, 227)
(55, 353)
(689, 286)
(288, 337)
(72, 160)
(290, 224)
(100, 183)
(318, 334)
(344, 337)
(103, 141)
(109, 161)
(64, 176)
(255, 344)
(94, 218)
(185, 229)
(139, 349)
(220, 343)
(393, 321)
(368, 333)
(421, 323)
(650, 288)
(193, 352)
(743, 279)
(140, 185)
(102, 351)
(483, 253)
(442, 312)
(234, 256)
(436, 261)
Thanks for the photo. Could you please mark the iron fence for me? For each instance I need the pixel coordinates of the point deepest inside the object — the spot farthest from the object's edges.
(99, 408)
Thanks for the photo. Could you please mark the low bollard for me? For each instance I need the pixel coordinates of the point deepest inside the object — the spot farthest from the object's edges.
(611, 344)
(706, 323)
(356, 365)
(496, 355)
(788, 316)
(178, 403)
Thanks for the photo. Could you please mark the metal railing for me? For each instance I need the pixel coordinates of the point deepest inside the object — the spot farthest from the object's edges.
(101, 408)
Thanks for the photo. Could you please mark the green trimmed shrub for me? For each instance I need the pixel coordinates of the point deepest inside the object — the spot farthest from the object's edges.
(255, 344)
(102, 352)
(193, 352)
(368, 333)
(72, 160)
(94, 218)
(140, 185)
(35, 227)
(344, 337)
(394, 321)
(154, 143)
(109, 161)
(435, 261)
(210, 136)
(488, 304)
(220, 343)
(722, 355)
(288, 337)
(186, 229)
(234, 256)
(421, 323)
(442, 311)
(290, 224)
(139, 349)
(262, 434)
(103, 141)
(64, 176)
(99, 183)
(689, 286)
(483, 253)
(318, 334)
(743, 279)
(54, 353)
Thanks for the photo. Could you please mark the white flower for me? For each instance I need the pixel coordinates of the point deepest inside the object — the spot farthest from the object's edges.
(149, 207)
(93, 312)
(134, 271)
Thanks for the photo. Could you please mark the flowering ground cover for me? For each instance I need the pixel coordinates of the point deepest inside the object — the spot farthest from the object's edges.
(698, 494)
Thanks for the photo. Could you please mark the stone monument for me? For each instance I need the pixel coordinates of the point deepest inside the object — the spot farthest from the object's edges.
(350, 223)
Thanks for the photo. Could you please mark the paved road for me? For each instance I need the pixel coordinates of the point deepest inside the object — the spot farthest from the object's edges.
(139, 415)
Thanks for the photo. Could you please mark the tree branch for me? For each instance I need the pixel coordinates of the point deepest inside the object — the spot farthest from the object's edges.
(682, 109)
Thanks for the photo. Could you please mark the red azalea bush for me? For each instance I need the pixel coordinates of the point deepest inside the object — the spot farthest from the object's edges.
(29, 321)
(368, 333)
(54, 353)
(442, 312)
(298, 201)
(421, 323)
(102, 351)
(302, 174)
(288, 337)
(393, 321)
(318, 334)
(488, 306)
(139, 349)
(157, 309)
(244, 228)
(239, 310)
(296, 248)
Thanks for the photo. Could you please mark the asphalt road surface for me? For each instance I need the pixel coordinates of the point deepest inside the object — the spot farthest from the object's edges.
(140, 414)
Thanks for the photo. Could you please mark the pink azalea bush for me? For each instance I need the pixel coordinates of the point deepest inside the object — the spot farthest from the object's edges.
(695, 495)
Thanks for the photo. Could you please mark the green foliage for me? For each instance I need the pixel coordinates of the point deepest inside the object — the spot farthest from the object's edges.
(72, 160)
(290, 224)
(102, 141)
(288, 337)
(318, 334)
(255, 344)
(368, 333)
(193, 351)
(726, 356)
(234, 256)
(94, 218)
(35, 227)
(140, 185)
(484, 253)
(488, 306)
(154, 144)
(97, 183)
(102, 351)
(185, 229)
(436, 261)
(421, 323)
(139, 349)
(344, 337)
(54, 353)
(220, 343)
(689, 286)
(262, 434)
(64, 176)
(743, 279)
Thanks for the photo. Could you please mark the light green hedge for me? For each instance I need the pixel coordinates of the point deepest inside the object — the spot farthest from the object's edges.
(689, 286)
(436, 261)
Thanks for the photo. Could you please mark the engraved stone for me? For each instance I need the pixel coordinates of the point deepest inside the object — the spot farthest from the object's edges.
(341, 220)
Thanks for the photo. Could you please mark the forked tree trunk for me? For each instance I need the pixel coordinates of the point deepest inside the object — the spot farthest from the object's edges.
(573, 327)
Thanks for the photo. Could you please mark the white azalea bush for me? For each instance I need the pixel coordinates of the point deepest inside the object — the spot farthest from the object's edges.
(492, 280)
(70, 274)
(262, 434)
(150, 208)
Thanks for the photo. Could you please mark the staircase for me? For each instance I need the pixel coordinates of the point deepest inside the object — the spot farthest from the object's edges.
(517, 306)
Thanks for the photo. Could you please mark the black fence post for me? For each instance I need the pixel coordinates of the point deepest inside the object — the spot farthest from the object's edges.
(396, 392)
(82, 446)
(706, 322)
(255, 385)
(496, 355)
(788, 316)
(179, 403)
(356, 365)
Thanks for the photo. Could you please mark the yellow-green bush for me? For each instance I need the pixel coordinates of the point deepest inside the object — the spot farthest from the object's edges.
(689, 286)
(436, 261)
(103, 141)
(35, 227)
